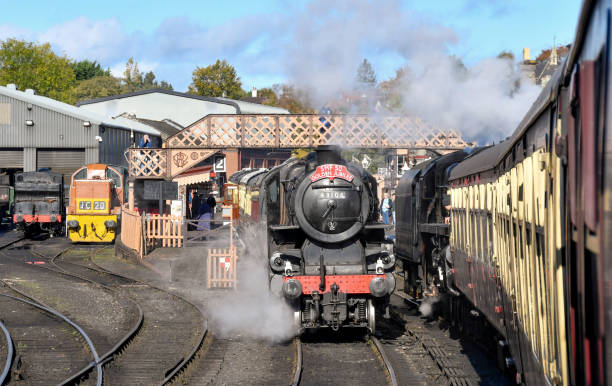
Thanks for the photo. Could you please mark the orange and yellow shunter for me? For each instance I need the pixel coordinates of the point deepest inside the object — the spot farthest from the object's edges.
(96, 195)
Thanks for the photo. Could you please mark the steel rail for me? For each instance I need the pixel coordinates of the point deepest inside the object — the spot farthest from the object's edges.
(104, 358)
(298, 365)
(52, 311)
(9, 355)
(179, 367)
(107, 356)
(385, 359)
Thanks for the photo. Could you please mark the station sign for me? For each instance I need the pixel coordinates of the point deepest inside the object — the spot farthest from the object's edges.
(219, 164)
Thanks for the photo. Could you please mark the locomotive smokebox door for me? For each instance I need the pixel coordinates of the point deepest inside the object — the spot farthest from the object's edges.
(331, 203)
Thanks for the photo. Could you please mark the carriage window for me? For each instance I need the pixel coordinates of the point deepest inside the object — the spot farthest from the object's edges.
(113, 175)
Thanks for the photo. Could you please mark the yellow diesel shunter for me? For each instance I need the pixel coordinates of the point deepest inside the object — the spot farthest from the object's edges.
(96, 195)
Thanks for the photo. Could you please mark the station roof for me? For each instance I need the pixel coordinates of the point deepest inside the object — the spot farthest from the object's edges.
(72, 111)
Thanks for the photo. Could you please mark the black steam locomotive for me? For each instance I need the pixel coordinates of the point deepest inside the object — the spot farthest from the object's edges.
(327, 252)
(39, 202)
(422, 231)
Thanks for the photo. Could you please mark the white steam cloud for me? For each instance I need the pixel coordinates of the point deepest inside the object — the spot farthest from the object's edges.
(484, 103)
(252, 310)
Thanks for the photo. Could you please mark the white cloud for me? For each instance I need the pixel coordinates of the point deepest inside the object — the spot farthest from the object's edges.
(83, 38)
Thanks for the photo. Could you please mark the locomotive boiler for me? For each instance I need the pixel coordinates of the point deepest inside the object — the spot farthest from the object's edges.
(326, 249)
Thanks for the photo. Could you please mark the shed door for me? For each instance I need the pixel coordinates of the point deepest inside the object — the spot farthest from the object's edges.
(64, 161)
(12, 158)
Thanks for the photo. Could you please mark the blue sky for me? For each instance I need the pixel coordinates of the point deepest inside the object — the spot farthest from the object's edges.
(273, 41)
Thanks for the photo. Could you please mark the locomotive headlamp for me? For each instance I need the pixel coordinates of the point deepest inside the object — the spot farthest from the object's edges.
(73, 224)
(19, 218)
(53, 218)
(110, 224)
(378, 287)
(292, 289)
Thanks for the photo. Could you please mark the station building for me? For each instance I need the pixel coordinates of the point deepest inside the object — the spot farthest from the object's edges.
(39, 132)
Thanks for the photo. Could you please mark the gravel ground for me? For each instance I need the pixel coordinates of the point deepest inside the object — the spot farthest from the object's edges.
(48, 350)
(452, 355)
(345, 358)
(232, 358)
(104, 316)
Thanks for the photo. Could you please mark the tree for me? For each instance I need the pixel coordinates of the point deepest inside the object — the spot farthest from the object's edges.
(86, 69)
(366, 78)
(505, 55)
(97, 87)
(217, 80)
(134, 80)
(29, 65)
(293, 99)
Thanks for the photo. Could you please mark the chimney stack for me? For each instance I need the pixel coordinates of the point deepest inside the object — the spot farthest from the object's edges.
(254, 92)
(526, 55)
(11, 86)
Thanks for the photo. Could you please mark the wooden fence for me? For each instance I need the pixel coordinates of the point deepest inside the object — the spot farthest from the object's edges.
(131, 230)
(168, 229)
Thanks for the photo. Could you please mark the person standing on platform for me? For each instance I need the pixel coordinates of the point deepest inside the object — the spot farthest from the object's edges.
(386, 209)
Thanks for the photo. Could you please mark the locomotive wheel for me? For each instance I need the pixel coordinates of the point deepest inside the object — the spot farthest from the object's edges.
(371, 317)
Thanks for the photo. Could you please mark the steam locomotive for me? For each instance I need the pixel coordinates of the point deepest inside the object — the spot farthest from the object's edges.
(528, 246)
(326, 251)
(39, 202)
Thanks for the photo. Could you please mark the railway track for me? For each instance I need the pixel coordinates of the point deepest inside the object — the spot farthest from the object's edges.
(157, 352)
(161, 343)
(46, 348)
(348, 360)
(6, 348)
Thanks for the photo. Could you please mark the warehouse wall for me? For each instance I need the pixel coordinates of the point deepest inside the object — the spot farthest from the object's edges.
(51, 128)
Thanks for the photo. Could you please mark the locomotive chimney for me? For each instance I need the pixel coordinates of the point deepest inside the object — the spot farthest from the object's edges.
(328, 154)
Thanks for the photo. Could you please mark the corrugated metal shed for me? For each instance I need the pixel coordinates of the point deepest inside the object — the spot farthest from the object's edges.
(37, 132)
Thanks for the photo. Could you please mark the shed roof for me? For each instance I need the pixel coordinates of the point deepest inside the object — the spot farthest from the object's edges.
(241, 107)
(66, 109)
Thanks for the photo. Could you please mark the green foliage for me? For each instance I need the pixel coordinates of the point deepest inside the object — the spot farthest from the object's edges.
(34, 66)
(288, 97)
(366, 78)
(86, 69)
(97, 87)
(134, 80)
(217, 80)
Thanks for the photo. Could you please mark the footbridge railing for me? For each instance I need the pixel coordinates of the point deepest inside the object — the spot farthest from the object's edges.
(289, 131)
(309, 130)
